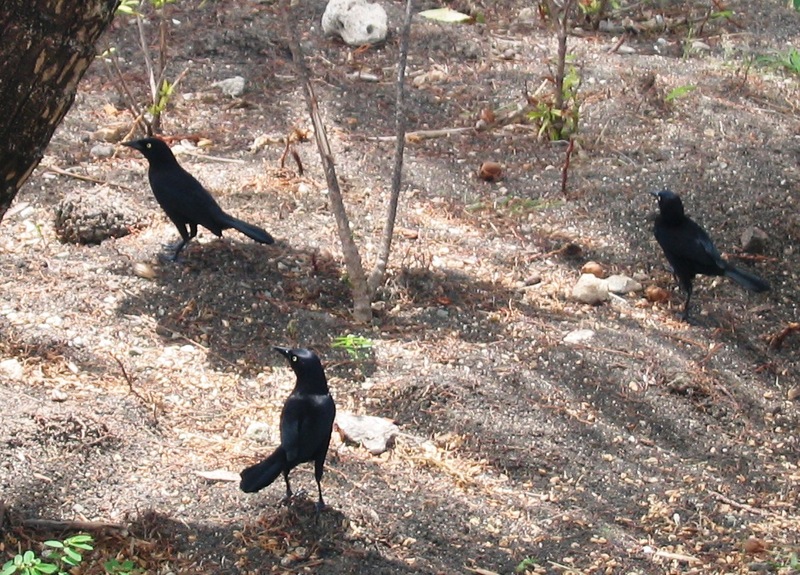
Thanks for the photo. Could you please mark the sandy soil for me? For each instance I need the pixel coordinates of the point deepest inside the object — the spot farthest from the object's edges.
(655, 446)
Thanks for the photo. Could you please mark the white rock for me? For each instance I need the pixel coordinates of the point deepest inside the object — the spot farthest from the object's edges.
(622, 284)
(375, 434)
(233, 87)
(12, 368)
(258, 431)
(579, 336)
(590, 289)
(357, 22)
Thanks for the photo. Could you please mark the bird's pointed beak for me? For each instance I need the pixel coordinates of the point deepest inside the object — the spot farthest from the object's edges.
(285, 351)
(132, 144)
(654, 193)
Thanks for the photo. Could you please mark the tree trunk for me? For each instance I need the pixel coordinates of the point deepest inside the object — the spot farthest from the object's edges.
(362, 300)
(46, 47)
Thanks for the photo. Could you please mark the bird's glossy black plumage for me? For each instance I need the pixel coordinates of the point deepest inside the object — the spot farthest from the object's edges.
(306, 425)
(690, 251)
(185, 201)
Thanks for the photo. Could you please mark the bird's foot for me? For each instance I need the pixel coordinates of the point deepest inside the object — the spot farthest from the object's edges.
(292, 496)
(166, 257)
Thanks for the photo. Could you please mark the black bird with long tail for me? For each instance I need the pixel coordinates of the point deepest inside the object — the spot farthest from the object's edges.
(690, 250)
(306, 425)
(185, 201)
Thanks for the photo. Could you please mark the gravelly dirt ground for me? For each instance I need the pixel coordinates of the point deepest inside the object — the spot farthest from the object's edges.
(653, 447)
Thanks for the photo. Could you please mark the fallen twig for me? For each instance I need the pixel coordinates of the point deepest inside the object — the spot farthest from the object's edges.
(61, 172)
(742, 506)
(776, 341)
(565, 168)
(53, 524)
(423, 135)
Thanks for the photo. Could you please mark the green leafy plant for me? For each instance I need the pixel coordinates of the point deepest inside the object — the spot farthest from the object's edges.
(788, 61)
(128, 7)
(62, 556)
(558, 123)
(596, 10)
(446, 15)
(126, 567)
(164, 95)
(525, 564)
(161, 90)
(679, 92)
(356, 346)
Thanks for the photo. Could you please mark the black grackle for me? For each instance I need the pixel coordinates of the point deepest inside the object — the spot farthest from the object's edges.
(690, 251)
(306, 424)
(186, 202)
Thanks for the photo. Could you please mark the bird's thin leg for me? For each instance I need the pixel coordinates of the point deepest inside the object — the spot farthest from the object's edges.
(180, 247)
(685, 315)
(320, 502)
(185, 237)
(318, 468)
(288, 487)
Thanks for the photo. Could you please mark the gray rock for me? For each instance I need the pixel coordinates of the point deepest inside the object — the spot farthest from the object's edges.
(590, 289)
(532, 279)
(621, 284)
(233, 87)
(357, 22)
(102, 151)
(528, 15)
(375, 434)
(754, 240)
(259, 431)
(91, 216)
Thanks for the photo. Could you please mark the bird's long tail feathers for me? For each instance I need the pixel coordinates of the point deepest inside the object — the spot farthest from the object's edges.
(258, 476)
(251, 231)
(747, 280)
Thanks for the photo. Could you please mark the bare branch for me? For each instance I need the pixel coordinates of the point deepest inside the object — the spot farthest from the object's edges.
(379, 271)
(362, 309)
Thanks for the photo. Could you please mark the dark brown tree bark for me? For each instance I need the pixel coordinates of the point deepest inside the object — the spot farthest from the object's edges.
(46, 47)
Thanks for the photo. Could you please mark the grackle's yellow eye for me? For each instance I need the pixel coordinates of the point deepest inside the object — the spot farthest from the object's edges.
(294, 358)
(149, 145)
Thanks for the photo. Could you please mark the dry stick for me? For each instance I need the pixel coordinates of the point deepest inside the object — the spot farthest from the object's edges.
(289, 149)
(138, 115)
(51, 524)
(148, 60)
(61, 172)
(563, 31)
(362, 310)
(618, 44)
(286, 151)
(378, 274)
(129, 381)
(742, 506)
(423, 134)
(298, 161)
(565, 169)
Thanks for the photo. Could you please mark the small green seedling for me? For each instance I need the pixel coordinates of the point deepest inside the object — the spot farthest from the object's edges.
(62, 556)
(679, 92)
(356, 346)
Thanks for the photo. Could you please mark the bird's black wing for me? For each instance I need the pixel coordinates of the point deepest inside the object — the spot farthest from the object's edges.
(689, 249)
(183, 198)
(306, 423)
